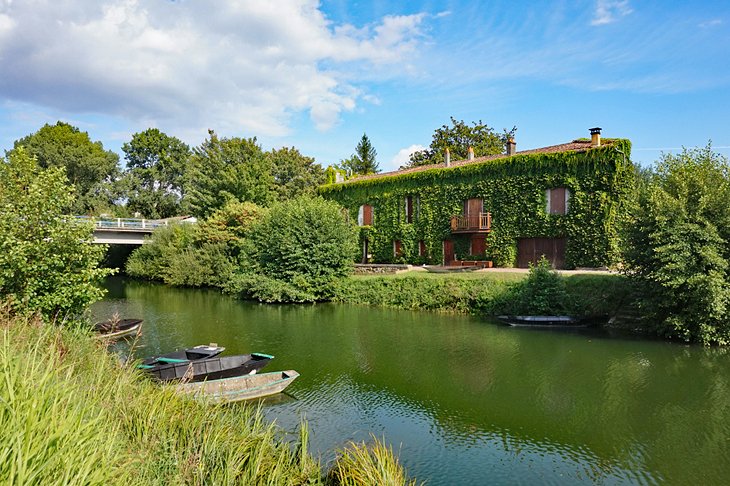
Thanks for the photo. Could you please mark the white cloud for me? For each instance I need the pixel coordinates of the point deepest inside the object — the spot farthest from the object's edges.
(236, 66)
(609, 11)
(402, 156)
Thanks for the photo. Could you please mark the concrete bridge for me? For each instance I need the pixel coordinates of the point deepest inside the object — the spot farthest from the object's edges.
(123, 231)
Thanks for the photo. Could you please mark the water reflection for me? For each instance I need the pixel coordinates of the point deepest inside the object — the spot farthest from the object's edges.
(468, 402)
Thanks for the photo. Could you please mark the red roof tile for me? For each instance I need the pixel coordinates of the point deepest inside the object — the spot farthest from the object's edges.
(575, 145)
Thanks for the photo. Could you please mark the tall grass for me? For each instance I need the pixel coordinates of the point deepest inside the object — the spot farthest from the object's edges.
(71, 414)
(361, 465)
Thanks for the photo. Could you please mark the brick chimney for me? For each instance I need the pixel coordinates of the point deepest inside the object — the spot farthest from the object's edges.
(511, 146)
(447, 157)
(595, 137)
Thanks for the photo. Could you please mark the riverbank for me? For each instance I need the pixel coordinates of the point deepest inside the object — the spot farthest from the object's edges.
(73, 415)
(484, 293)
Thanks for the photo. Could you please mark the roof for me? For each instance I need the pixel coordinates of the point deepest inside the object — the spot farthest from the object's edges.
(574, 146)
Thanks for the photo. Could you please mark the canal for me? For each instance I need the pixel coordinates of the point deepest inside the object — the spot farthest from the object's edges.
(462, 400)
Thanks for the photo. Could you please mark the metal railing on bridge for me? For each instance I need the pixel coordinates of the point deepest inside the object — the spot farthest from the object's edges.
(124, 224)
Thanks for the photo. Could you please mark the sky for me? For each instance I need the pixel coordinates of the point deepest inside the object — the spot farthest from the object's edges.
(316, 75)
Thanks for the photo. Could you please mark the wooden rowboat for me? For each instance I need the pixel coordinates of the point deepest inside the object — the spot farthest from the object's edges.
(239, 388)
(115, 328)
(209, 369)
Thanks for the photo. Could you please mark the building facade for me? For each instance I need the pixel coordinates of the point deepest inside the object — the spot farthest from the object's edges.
(560, 201)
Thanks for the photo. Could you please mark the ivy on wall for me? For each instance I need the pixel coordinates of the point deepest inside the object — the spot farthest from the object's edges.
(513, 190)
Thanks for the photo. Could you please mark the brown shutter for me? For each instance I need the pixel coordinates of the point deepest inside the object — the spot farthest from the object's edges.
(557, 200)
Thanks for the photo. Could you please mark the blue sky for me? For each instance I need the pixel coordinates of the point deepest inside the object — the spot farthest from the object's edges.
(317, 75)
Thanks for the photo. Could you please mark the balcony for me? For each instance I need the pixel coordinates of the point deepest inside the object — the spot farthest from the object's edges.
(471, 223)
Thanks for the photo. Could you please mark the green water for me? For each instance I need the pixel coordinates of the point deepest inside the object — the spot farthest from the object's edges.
(464, 401)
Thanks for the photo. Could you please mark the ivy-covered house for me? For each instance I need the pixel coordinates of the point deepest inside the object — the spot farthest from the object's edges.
(560, 201)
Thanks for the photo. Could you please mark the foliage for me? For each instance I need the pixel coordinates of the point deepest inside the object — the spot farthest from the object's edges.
(360, 464)
(483, 293)
(542, 293)
(294, 174)
(304, 242)
(180, 255)
(513, 190)
(48, 263)
(226, 169)
(458, 138)
(678, 244)
(156, 166)
(363, 161)
(89, 168)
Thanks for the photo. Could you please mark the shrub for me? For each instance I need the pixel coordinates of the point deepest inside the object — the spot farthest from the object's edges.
(677, 244)
(305, 243)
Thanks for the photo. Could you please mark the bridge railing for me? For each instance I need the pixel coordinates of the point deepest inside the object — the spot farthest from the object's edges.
(128, 224)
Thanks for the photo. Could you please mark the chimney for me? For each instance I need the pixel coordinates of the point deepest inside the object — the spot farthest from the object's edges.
(511, 146)
(470, 156)
(447, 158)
(595, 137)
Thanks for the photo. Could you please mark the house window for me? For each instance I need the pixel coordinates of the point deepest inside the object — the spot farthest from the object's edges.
(421, 248)
(397, 249)
(365, 215)
(409, 209)
(557, 200)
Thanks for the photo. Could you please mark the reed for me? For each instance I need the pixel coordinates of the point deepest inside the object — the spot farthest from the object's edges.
(360, 464)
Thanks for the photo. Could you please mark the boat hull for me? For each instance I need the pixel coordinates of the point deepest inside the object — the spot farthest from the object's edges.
(211, 369)
(543, 321)
(235, 389)
(116, 329)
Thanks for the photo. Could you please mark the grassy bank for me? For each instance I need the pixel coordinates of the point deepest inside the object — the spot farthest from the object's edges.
(70, 414)
(482, 293)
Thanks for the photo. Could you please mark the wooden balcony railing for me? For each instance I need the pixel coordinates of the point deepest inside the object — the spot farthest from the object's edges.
(471, 223)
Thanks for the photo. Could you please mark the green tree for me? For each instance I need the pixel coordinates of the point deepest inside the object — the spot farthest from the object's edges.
(48, 263)
(91, 169)
(458, 138)
(226, 169)
(677, 246)
(363, 161)
(156, 166)
(294, 174)
(297, 252)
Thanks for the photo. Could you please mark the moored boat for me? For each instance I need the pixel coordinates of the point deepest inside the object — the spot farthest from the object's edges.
(211, 368)
(543, 321)
(195, 353)
(114, 328)
(239, 388)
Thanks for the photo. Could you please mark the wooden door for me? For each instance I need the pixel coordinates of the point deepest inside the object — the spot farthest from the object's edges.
(530, 250)
(478, 245)
(473, 207)
(448, 252)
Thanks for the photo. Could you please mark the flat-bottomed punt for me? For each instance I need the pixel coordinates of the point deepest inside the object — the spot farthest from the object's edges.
(543, 321)
(239, 388)
(211, 368)
(114, 328)
(195, 353)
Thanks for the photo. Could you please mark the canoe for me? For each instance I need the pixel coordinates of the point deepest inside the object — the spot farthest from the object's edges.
(114, 328)
(543, 321)
(211, 368)
(195, 353)
(239, 388)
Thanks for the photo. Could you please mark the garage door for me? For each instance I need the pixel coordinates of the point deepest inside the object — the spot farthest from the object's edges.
(529, 250)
